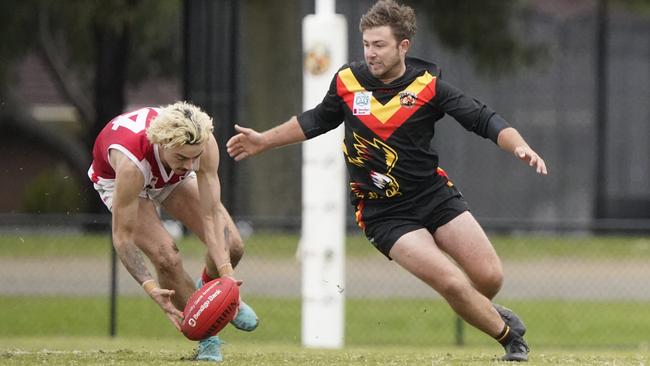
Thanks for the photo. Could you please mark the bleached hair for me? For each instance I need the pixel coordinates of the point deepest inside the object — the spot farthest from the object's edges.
(180, 124)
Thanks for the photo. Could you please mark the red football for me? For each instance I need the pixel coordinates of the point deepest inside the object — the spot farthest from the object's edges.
(210, 308)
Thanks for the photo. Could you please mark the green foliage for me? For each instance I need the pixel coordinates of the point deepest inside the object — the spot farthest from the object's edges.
(642, 6)
(53, 191)
(154, 27)
(486, 31)
(156, 45)
(483, 30)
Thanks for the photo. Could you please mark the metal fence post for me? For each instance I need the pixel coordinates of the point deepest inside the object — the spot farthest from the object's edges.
(112, 328)
(460, 332)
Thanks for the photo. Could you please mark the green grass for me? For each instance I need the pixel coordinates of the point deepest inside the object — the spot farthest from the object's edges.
(284, 245)
(143, 351)
(147, 351)
(406, 322)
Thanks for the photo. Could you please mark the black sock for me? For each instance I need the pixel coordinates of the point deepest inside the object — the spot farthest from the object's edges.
(506, 335)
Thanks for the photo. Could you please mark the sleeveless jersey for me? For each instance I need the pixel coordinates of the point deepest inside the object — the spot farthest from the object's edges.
(127, 133)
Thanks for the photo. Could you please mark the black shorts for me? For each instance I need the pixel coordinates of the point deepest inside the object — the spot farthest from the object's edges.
(384, 222)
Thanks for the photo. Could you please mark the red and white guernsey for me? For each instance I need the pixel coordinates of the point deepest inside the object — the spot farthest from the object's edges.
(127, 133)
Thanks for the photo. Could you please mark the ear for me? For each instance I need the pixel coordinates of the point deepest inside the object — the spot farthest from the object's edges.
(404, 46)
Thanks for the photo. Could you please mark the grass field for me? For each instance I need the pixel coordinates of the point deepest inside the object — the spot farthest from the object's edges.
(388, 322)
(141, 351)
(73, 330)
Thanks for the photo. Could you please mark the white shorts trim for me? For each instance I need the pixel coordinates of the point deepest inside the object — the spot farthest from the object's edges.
(106, 187)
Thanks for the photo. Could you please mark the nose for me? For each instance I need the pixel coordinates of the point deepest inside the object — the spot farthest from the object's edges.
(369, 51)
(187, 165)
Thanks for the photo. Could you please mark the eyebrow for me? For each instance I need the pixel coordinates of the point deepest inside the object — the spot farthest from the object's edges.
(375, 41)
(189, 157)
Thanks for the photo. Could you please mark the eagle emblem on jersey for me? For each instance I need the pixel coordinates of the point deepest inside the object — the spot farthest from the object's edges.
(379, 159)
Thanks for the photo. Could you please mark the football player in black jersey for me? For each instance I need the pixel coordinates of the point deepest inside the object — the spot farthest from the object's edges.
(405, 204)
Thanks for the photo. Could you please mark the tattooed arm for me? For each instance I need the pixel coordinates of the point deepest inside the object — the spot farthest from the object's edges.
(128, 185)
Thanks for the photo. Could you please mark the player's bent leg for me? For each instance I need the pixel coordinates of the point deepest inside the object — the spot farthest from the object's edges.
(465, 241)
(183, 204)
(418, 253)
(209, 350)
(156, 243)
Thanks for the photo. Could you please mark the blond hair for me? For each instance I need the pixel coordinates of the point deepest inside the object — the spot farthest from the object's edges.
(400, 18)
(180, 124)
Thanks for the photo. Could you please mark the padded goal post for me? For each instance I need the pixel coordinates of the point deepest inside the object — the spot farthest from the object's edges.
(322, 242)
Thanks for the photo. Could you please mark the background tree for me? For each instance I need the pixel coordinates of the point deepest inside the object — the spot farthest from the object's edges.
(488, 36)
(92, 50)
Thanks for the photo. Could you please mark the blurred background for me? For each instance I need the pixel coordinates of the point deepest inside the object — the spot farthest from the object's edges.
(573, 76)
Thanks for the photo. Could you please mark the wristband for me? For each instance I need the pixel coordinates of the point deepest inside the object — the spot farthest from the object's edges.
(149, 285)
(225, 269)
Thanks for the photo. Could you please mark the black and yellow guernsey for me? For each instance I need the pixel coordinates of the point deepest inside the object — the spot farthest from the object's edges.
(389, 127)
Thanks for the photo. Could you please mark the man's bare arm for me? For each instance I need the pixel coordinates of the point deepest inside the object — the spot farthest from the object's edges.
(249, 142)
(210, 197)
(128, 185)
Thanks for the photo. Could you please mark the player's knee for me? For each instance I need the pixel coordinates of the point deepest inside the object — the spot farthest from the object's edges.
(489, 283)
(168, 262)
(236, 247)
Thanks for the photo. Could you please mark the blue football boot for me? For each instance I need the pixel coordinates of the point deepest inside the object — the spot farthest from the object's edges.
(246, 319)
(209, 350)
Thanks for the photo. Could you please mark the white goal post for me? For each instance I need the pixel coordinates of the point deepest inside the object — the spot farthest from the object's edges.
(322, 241)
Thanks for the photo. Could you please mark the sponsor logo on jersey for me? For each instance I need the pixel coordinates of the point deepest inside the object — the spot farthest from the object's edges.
(361, 104)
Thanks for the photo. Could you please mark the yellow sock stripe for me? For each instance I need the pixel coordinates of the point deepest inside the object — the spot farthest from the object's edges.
(505, 334)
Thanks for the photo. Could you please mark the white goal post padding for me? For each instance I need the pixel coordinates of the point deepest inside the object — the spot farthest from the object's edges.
(322, 241)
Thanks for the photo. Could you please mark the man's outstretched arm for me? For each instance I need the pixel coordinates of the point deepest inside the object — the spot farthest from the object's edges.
(249, 142)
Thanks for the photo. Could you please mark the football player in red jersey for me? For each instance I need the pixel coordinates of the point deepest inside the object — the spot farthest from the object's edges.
(406, 205)
(167, 158)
